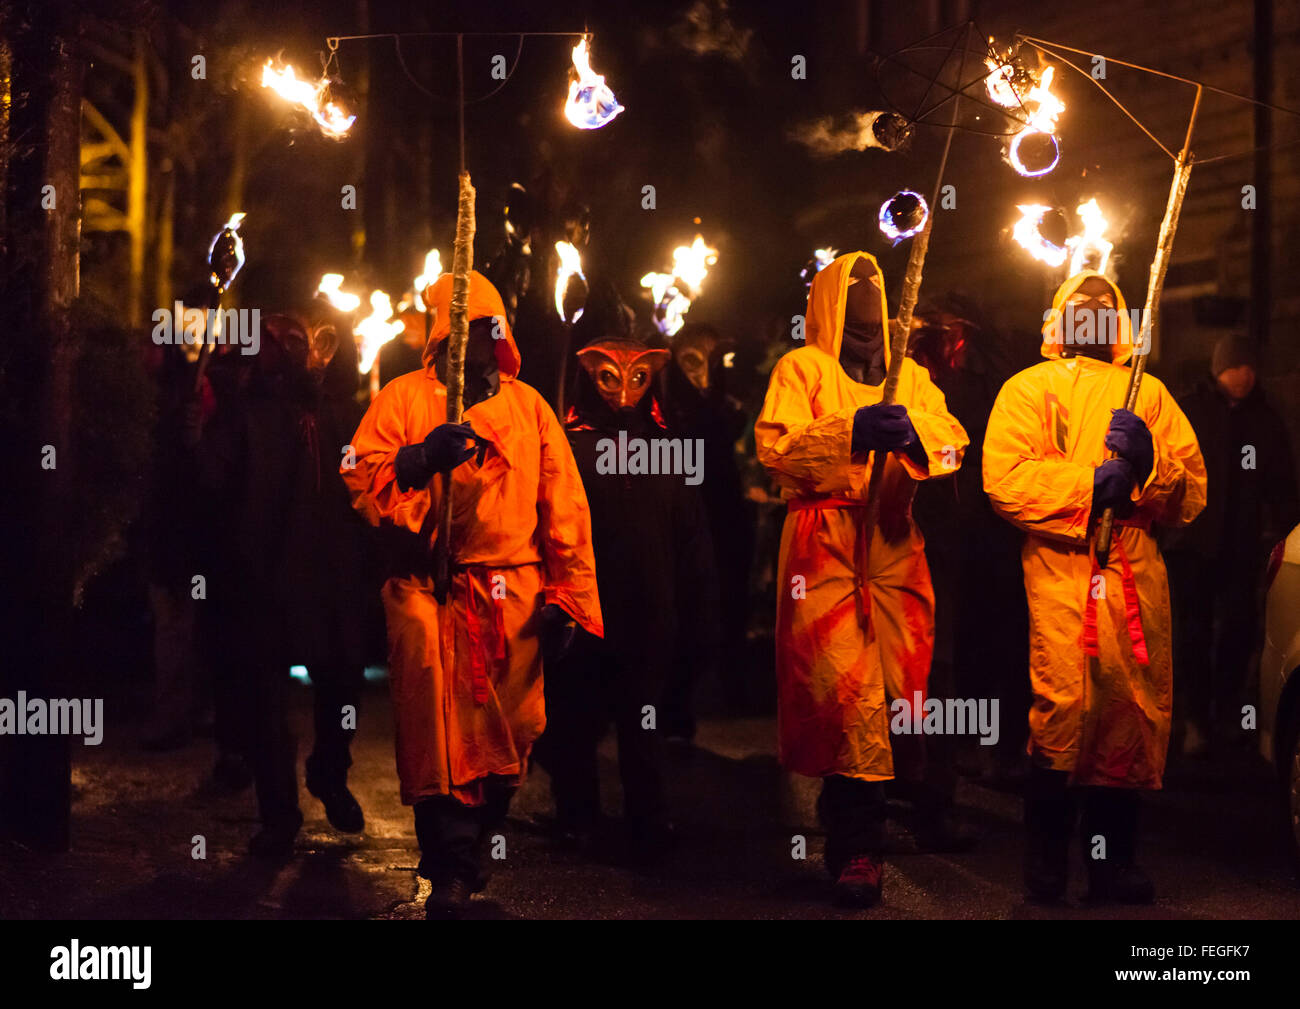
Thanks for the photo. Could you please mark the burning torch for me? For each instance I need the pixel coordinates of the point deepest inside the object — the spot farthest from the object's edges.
(225, 258)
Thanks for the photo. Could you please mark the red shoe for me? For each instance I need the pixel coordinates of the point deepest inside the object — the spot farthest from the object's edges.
(859, 882)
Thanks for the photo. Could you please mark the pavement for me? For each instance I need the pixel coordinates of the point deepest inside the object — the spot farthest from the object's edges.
(1213, 842)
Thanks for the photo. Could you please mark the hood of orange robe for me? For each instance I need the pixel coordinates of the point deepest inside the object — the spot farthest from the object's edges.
(484, 303)
(828, 298)
(1121, 350)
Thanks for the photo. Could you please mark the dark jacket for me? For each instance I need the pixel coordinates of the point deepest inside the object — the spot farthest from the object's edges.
(1247, 508)
(654, 556)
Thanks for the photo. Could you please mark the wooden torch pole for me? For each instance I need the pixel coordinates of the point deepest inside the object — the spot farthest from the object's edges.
(1155, 284)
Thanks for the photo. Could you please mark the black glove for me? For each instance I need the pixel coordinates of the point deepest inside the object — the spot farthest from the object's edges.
(443, 448)
(1112, 487)
(557, 633)
(881, 427)
(1129, 438)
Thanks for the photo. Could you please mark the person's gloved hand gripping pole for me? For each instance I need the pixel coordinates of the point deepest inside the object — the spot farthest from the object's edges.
(886, 428)
(443, 449)
(1113, 481)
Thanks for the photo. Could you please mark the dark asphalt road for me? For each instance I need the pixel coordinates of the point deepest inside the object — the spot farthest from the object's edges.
(1214, 847)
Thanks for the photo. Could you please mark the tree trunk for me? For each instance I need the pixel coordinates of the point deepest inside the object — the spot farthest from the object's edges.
(40, 277)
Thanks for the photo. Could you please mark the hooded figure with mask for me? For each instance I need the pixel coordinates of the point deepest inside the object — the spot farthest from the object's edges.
(466, 673)
(654, 563)
(1099, 640)
(855, 611)
(286, 571)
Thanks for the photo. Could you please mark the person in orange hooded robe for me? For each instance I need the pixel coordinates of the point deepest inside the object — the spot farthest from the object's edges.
(466, 675)
(855, 611)
(1099, 641)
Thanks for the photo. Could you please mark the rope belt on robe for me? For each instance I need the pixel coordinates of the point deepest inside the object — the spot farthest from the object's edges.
(485, 632)
(861, 543)
(1132, 611)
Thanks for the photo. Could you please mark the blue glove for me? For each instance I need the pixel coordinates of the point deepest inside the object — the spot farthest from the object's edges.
(1129, 438)
(1112, 485)
(880, 427)
(443, 448)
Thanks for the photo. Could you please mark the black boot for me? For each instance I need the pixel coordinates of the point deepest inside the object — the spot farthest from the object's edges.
(1048, 811)
(1109, 833)
(449, 899)
(341, 807)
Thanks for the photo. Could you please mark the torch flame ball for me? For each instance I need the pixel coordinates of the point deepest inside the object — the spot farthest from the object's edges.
(1037, 152)
(905, 210)
(891, 130)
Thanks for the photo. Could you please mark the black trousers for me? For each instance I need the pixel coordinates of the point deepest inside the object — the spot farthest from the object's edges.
(595, 683)
(335, 686)
(852, 811)
(452, 836)
(1108, 814)
(1215, 621)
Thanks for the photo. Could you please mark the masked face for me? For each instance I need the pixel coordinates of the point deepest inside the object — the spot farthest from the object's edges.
(621, 371)
(482, 374)
(322, 345)
(1092, 309)
(862, 347)
(693, 359)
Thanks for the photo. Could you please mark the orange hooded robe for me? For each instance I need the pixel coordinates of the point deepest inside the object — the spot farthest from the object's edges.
(466, 678)
(853, 627)
(1099, 642)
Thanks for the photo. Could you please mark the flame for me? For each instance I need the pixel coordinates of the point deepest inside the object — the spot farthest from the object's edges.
(673, 292)
(1026, 234)
(342, 300)
(570, 265)
(824, 257)
(1091, 242)
(333, 120)
(1042, 108)
(236, 219)
(376, 329)
(591, 104)
(1000, 83)
(431, 272)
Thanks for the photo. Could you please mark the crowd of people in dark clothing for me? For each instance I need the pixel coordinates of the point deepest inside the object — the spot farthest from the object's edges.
(260, 557)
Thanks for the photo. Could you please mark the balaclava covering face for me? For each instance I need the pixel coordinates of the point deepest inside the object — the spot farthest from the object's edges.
(1086, 307)
(482, 374)
(862, 350)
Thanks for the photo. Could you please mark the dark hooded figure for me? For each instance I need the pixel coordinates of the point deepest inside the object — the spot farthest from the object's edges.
(654, 565)
(697, 405)
(980, 626)
(1216, 563)
(287, 582)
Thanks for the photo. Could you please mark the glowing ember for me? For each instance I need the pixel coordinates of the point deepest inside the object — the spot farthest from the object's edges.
(1026, 233)
(333, 120)
(330, 285)
(375, 330)
(570, 266)
(591, 103)
(432, 271)
(1090, 250)
(903, 215)
(673, 292)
